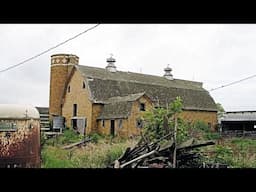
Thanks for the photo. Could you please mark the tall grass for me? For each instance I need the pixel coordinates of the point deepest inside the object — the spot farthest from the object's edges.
(93, 155)
(236, 152)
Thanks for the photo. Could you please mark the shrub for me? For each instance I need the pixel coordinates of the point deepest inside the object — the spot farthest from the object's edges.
(69, 136)
(95, 137)
(200, 125)
(223, 154)
(212, 136)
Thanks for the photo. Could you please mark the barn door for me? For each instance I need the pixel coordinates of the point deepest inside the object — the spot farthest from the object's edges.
(112, 127)
(79, 125)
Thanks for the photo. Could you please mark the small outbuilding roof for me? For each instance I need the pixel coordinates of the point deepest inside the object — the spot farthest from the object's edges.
(239, 116)
(16, 111)
(119, 107)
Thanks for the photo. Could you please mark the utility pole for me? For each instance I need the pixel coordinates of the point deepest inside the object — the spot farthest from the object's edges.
(174, 140)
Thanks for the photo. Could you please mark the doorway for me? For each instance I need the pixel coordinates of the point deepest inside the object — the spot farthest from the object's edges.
(79, 125)
(112, 127)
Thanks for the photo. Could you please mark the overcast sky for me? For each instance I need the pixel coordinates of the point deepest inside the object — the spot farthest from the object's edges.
(215, 54)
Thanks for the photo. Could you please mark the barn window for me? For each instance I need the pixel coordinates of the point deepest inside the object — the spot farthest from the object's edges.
(83, 85)
(139, 123)
(103, 123)
(142, 106)
(120, 123)
(69, 89)
(75, 110)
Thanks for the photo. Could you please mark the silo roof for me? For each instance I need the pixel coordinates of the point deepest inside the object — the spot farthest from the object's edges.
(16, 111)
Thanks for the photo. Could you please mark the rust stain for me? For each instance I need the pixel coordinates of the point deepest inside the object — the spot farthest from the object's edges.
(20, 148)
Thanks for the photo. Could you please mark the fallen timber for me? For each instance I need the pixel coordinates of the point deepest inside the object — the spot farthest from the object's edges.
(153, 155)
(77, 144)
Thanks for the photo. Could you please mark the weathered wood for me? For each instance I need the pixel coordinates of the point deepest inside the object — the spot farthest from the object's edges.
(186, 143)
(156, 156)
(196, 145)
(126, 153)
(76, 144)
(117, 164)
(138, 158)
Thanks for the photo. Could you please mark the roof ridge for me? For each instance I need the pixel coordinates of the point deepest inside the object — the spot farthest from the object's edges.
(195, 83)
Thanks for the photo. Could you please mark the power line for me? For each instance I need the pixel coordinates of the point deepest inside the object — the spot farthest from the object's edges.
(234, 82)
(31, 58)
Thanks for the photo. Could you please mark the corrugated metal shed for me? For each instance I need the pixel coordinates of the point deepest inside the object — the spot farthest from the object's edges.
(239, 116)
(16, 111)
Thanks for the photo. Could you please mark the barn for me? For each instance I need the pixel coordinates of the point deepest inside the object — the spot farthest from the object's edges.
(112, 102)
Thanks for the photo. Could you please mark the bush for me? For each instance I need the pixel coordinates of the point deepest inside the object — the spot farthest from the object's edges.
(200, 125)
(69, 136)
(95, 137)
(223, 154)
(212, 136)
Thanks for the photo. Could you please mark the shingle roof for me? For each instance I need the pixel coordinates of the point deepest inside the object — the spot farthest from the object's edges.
(119, 107)
(104, 85)
(131, 97)
(116, 110)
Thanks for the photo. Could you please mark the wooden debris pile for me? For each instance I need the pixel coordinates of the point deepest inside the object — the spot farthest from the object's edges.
(154, 155)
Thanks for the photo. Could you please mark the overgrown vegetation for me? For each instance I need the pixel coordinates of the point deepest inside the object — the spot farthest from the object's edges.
(100, 152)
(161, 121)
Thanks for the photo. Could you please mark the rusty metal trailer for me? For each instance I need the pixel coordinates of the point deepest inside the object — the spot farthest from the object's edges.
(19, 136)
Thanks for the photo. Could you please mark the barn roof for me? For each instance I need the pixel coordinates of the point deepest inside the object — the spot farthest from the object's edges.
(119, 107)
(131, 97)
(116, 110)
(104, 85)
(43, 110)
(15, 111)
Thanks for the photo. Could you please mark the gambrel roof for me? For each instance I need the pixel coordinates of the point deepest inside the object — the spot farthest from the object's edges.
(104, 85)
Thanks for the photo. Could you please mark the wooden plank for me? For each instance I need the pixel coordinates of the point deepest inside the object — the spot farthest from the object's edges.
(76, 144)
(138, 158)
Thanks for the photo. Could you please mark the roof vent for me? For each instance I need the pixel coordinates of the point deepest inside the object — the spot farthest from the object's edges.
(168, 74)
(111, 66)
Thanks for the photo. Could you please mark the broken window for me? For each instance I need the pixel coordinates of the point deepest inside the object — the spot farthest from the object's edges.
(103, 123)
(142, 106)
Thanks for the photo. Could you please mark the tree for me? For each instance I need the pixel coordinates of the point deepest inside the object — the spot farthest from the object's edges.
(176, 108)
(219, 107)
(162, 121)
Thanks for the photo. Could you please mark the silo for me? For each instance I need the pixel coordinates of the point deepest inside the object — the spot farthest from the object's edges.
(61, 67)
(19, 136)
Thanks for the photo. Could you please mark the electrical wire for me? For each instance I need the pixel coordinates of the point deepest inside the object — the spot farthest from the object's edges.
(62, 43)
